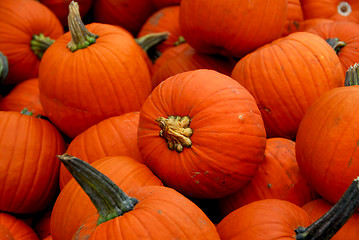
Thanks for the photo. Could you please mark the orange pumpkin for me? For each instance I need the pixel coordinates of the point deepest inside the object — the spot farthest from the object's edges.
(202, 134)
(286, 76)
(114, 136)
(294, 17)
(29, 167)
(233, 28)
(80, 88)
(16, 228)
(27, 28)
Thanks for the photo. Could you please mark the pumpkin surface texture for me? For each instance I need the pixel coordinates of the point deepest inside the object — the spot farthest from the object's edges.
(201, 133)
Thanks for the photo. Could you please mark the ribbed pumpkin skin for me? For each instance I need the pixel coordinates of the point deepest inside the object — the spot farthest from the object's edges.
(286, 76)
(228, 138)
(264, 219)
(24, 95)
(186, 60)
(20, 20)
(327, 142)
(347, 32)
(124, 171)
(29, 166)
(277, 177)
(115, 136)
(329, 9)
(18, 228)
(229, 27)
(162, 213)
(129, 14)
(108, 78)
(61, 8)
(294, 17)
(319, 207)
(164, 20)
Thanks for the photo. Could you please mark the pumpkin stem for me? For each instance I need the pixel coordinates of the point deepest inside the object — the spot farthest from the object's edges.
(336, 44)
(152, 39)
(4, 67)
(80, 36)
(330, 223)
(39, 44)
(25, 111)
(344, 8)
(176, 131)
(179, 41)
(352, 75)
(109, 200)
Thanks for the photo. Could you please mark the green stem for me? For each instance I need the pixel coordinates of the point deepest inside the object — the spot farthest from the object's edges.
(109, 200)
(179, 41)
(4, 67)
(336, 44)
(39, 44)
(150, 40)
(80, 36)
(352, 75)
(331, 222)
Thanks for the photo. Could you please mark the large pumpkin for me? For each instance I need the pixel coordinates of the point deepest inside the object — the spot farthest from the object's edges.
(286, 76)
(87, 84)
(229, 27)
(201, 133)
(27, 28)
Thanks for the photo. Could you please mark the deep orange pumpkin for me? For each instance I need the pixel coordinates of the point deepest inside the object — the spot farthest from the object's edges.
(343, 37)
(286, 76)
(277, 177)
(114, 136)
(201, 133)
(72, 201)
(25, 94)
(338, 10)
(164, 3)
(294, 17)
(18, 229)
(29, 167)
(21, 21)
(81, 88)
(229, 27)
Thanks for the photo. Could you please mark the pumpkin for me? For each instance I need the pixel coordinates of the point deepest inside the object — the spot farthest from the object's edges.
(286, 76)
(42, 224)
(114, 136)
(201, 133)
(343, 36)
(129, 14)
(83, 83)
(29, 167)
(307, 24)
(61, 8)
(72, 200)
(27, 29)
(277, 177)
(187, 59)
(233, 28)
(280, 219)
(164, 3)
(25, 94)
(319, 207)
(15, 228)
(164, 20)
(294, 17)
(347, 10)
(151, 212)
(327, 140)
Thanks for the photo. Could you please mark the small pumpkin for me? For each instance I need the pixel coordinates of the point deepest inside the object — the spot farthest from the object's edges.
(114, 136)
(201, 133)
(27, 29)
(84, 82)
(15, 228)
(232, 28)
(160, 212)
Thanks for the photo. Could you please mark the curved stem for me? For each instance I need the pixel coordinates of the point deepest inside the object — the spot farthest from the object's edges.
(109, 200)
(39, 44)
(352, 75)
(336, 44)
(4, 67)
(330, 223)
(80, 36)
(152, 39)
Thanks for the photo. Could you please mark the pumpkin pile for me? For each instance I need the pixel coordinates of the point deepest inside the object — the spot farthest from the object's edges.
(179, 119)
